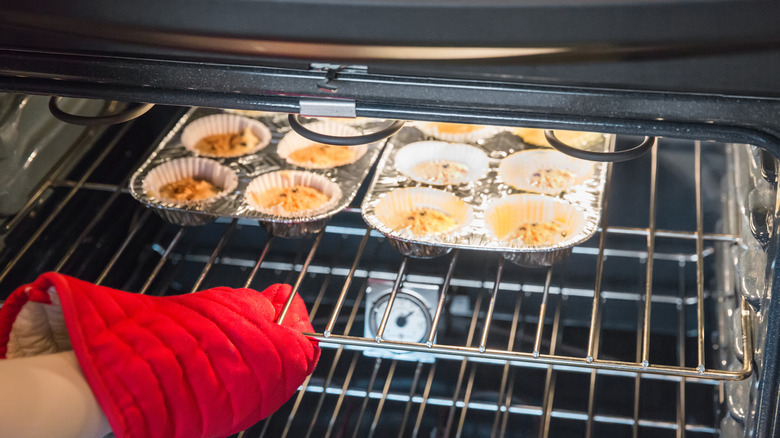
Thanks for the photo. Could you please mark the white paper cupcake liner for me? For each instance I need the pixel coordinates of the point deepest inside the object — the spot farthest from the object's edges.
(414, 154)
(517, 169)
(431, 129)
(504, 215)
(394, 207)
(356, 121)
(191, 167)
(577, 139)
(290, 178)
(248, 113)
(223, 124)
(293, 141)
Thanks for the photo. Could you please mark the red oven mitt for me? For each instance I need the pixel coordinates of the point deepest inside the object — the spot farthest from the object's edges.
(207, 364)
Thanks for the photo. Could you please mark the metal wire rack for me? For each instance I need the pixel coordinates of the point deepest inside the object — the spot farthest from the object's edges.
(503, 357)
(591, 358)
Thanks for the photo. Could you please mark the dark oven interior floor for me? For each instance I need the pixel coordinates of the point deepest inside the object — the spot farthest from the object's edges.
(85, 224)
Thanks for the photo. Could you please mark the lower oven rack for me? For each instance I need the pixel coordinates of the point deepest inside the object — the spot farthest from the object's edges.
(338, 399)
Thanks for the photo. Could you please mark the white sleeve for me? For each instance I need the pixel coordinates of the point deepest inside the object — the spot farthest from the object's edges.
(47, 396)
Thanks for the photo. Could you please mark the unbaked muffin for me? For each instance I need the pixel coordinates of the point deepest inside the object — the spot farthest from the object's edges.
(188, 189)
(441, 171)
(577, 139)
(291, 199)
(225, 136)
(292, 193)
(539, 233)
(428, 221)
(302, 152)
(318, 155)
(228, 144)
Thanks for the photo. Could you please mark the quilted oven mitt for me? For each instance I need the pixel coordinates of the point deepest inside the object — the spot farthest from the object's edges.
(207, 364)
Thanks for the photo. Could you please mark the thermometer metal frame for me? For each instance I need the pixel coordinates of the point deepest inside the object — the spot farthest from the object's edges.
(378, 291)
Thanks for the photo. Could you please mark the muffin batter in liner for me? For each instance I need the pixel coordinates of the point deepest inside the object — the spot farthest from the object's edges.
(394, 208)
(504, 216)
(291, 178)
(409, 157)
(293, 142)
(224, 124)
(191, 167)
(440, 131)
(517, 169)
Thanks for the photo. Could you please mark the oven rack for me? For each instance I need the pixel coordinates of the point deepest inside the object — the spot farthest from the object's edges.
(591, 359)
(464, 402)
(416, 397)
(462, 405)
(313, 276)
(327, 334)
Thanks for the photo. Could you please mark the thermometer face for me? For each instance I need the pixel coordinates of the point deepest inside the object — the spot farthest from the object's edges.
(409, 319)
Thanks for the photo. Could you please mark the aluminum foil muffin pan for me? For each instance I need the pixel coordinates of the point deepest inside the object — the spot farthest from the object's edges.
(247, 168)
(586, 197)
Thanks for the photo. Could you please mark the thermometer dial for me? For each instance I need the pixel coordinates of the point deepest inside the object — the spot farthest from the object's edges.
(409, 319)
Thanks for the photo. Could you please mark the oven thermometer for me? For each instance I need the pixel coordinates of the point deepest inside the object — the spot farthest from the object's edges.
(409, 321)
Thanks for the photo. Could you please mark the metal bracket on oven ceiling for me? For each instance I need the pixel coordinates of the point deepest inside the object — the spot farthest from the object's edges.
(331, 73)
(337, 108)
(328, 107)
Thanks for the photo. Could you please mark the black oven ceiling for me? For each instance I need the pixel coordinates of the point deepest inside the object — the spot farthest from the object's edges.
(499, 38)
(426, 23)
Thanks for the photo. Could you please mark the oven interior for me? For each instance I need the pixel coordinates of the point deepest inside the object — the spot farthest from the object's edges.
(510, 353)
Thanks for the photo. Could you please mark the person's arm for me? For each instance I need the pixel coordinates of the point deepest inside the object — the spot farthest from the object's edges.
(47, 396)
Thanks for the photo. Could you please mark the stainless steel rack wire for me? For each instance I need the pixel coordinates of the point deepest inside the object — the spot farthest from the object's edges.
(533, 339)
(591, 359)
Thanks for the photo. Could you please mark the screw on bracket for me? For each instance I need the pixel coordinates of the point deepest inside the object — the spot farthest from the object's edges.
(330, 75)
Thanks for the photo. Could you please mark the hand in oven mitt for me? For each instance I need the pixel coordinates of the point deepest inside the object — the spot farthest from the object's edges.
(207, 364)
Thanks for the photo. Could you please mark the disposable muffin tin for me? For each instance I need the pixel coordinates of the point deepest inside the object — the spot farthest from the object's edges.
(586, 196)
(247, 168)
